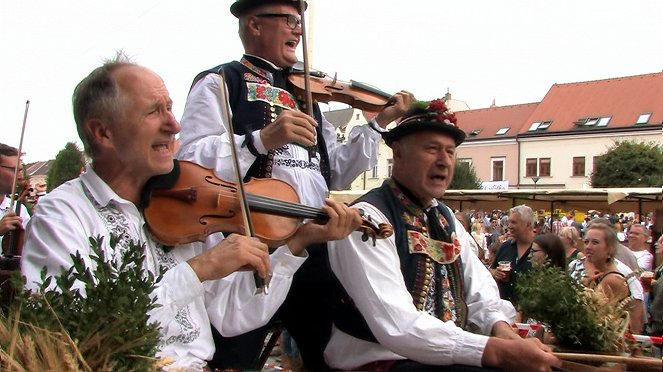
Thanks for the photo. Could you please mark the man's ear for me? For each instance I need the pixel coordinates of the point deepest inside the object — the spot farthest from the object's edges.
(254, 27)
(99, 132)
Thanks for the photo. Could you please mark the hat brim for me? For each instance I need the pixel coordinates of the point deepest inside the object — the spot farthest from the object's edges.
(410, 128)
(241, 7)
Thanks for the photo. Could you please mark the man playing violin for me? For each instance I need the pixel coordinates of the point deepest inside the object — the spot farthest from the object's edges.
(275, 138)
(421, 300)
(124, 118)
(9, 160)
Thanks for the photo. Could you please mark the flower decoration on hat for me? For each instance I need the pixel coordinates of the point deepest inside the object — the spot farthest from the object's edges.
(435, 110)
(432, 116)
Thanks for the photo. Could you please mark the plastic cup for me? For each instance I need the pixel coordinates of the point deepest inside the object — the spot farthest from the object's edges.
(505, 267)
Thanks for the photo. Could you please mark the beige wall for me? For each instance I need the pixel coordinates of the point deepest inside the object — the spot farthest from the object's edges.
(562, 150)
(482, 153)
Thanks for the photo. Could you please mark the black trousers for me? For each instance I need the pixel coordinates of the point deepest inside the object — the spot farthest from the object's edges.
(306, 313)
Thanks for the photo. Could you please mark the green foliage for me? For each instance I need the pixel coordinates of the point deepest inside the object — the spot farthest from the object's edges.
(66, 166)
(629, 164)
(465, 178)
(103, 309)
(580, 318)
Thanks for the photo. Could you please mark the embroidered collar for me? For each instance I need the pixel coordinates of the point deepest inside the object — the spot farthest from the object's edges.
(265, 70)
(99, 190)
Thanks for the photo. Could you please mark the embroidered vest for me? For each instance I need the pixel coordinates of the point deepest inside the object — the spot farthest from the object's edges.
(421, 274)
(257, 95)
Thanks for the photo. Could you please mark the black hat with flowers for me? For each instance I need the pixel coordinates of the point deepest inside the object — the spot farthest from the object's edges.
(426, 116)
(241, 7)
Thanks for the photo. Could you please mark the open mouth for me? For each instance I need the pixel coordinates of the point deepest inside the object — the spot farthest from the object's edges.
(291, 44)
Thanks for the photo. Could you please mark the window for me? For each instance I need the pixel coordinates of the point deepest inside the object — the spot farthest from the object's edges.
(603, 122)
(578, 166)
(530, 167)
(497, 169)
(599, 121)
(544, 167)
(390, 166)
(502, 131)
(539, 125)
(375, 172)
(595, 160)
(643, 118)
(465, 160)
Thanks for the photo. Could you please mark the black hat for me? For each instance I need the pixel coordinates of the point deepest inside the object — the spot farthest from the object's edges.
(241, 7)
(426, 116)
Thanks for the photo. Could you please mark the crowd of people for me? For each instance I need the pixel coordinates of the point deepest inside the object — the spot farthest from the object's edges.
(433, 296)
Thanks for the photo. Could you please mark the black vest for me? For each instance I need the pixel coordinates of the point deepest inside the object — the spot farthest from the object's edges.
(347, 317)
(249, 116)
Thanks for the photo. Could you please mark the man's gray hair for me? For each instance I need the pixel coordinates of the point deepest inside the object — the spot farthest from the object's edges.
(526, 213)
(98, 96)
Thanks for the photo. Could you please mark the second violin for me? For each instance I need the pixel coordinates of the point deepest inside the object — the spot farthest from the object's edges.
(193, 203)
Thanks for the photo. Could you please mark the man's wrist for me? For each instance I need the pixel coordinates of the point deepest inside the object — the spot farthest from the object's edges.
(376, 127)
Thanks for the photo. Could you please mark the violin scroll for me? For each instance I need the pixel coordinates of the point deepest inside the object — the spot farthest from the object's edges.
(373, 231)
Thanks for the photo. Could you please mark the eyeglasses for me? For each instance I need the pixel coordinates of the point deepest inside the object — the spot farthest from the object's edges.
(292, 21)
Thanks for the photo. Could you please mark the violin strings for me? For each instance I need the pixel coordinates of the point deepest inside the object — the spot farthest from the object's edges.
(267, 204)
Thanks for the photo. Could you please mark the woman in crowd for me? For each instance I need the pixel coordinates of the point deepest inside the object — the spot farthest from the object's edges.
(598, 269)
(571, 240)
(548, 248)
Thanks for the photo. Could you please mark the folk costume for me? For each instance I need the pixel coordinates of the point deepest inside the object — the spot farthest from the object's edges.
(411, 300)
(85, 207)
(415, 295)
(257, 94)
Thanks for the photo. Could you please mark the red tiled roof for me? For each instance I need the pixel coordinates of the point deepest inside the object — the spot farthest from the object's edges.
(490, 120)
(623, 99)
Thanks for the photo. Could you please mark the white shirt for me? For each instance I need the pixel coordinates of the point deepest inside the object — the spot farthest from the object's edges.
(4, 209)
(373, 278)
(645, 259)
(205, 141)
(87, 207)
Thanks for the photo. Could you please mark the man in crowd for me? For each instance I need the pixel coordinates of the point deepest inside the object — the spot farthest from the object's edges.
(124, 118)
(9, 221)
(514, 251)
(637, 241)
(277, 139)
(411, 299)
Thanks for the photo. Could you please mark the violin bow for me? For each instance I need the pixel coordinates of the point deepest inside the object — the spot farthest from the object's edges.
(262, 286)
(20, 150)
(307, 71)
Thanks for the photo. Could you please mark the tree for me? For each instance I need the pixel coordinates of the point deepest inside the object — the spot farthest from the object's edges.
(66, 166)
(629, 164)
(465, 178)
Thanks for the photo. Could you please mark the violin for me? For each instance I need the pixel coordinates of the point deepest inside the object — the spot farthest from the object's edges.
(206, 204)
(326, 89)
(12, 242)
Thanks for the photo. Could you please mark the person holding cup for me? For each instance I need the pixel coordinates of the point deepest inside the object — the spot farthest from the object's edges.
(514, 252)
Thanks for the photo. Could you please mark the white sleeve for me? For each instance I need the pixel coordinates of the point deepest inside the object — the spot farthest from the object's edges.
(204, 139)
(51, 237)
(349, 159)
(485, 307)
(372, 277)
(235, 309)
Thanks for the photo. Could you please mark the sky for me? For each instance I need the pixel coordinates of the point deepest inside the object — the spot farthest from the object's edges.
(510, 51)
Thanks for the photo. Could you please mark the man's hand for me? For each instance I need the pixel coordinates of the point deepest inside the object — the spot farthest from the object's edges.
(289, 127)
(498, 275)
(343, 220)
(10, 222)
(401, 103)
(519, 355)
(236, 252)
